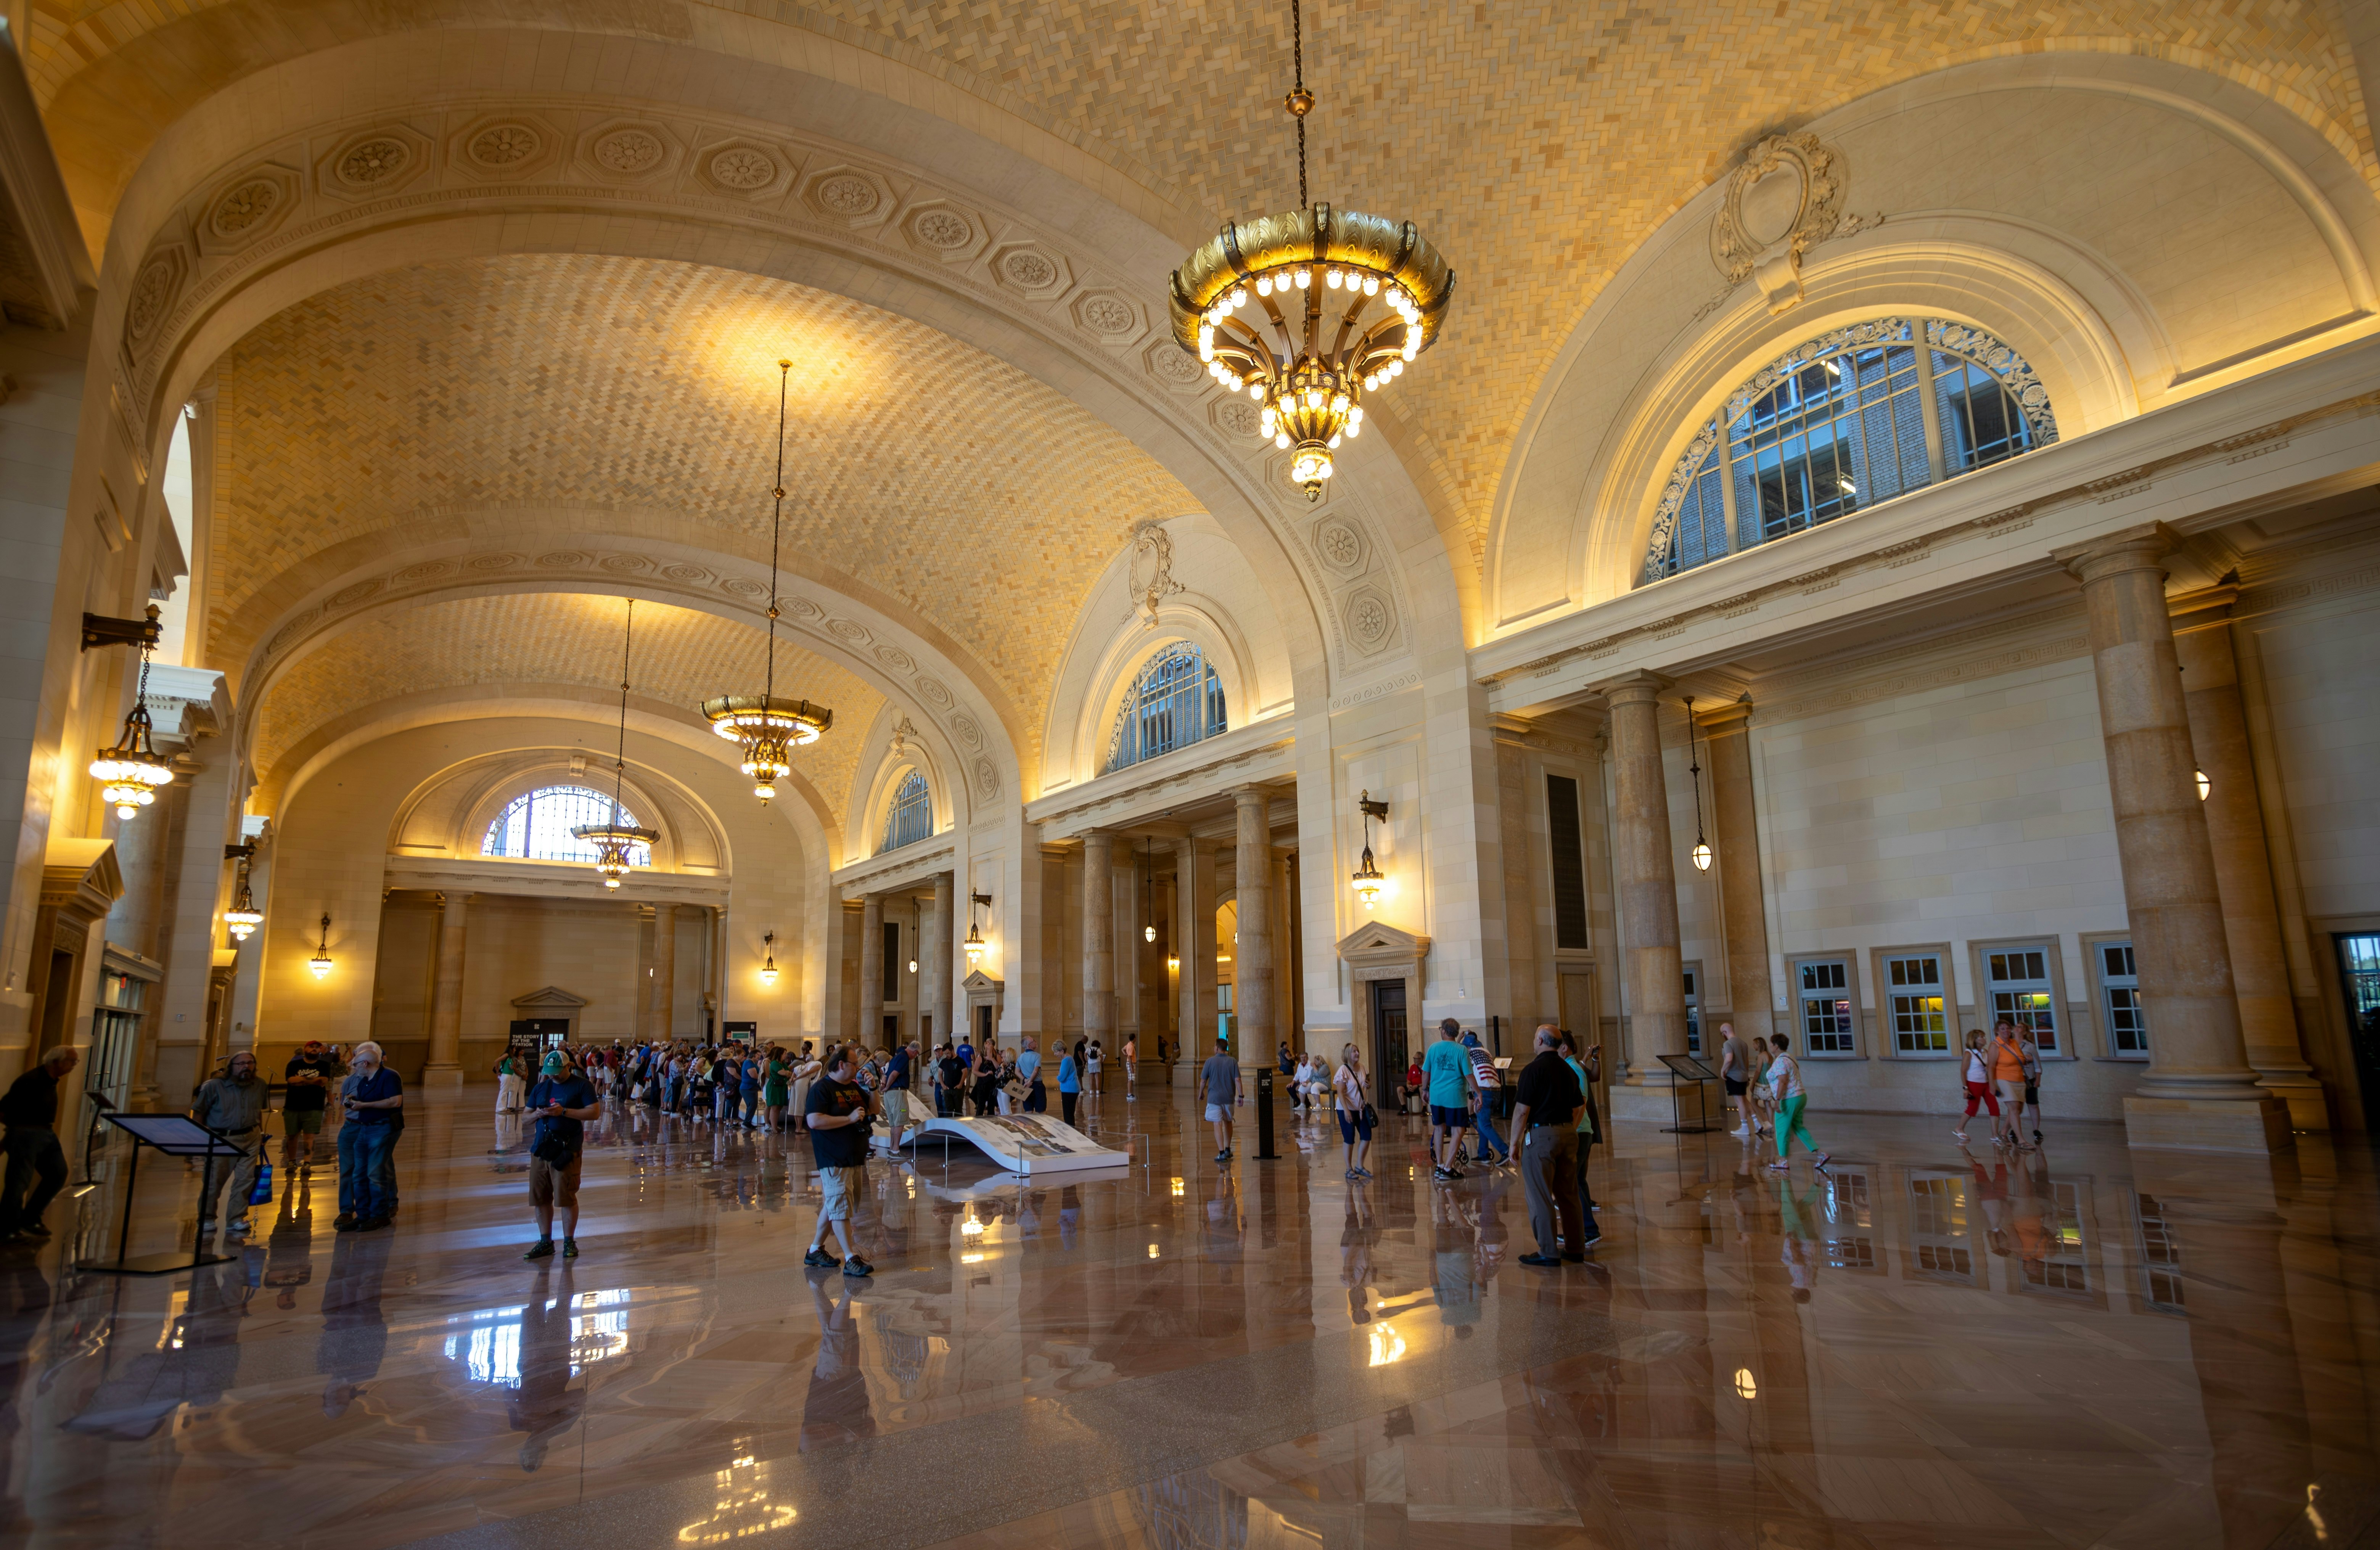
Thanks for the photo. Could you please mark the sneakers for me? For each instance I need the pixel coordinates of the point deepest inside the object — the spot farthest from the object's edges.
(1821, 1160)
(2036, 1138)
(856, 1267)
(819, 1259)
(1590, 1241)
(542, 1249)
(570, 1248)
(1542, 1261)
(1959, 1136)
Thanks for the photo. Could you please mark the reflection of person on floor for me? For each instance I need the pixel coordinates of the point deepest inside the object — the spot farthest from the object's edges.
(1223, 1220)
(836, 1408)
(2029, 1202)
(1357, 1237)
(1796, 1212)
(1991, 1193)
(542, 1403)
(354, 1335)
(288, 1250)
(1451, 1246)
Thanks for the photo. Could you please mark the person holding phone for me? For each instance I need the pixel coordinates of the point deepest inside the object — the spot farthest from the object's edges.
(561, 1102)
(372, 1101)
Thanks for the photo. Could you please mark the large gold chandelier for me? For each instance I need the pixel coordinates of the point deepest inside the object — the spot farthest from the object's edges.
(617, 842)
(1257, 305)
(130, 772)
(766, 727)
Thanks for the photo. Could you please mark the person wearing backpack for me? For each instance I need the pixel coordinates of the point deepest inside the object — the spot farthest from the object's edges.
(563, 1100)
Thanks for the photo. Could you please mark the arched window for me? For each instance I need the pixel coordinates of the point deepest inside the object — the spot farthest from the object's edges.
(537, 826)
(911, 817)
(1843, 422)
(1175, 701)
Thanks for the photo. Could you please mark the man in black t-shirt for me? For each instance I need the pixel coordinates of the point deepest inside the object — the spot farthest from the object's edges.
(953, 1074)
(561, 1102)
(1545, 1137)
(308, 1075)
(840, 1115)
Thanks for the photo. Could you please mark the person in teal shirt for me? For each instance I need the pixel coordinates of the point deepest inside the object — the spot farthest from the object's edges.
(1445, 1069)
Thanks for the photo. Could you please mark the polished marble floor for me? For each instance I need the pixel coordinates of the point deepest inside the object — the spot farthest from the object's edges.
(2079, 1346)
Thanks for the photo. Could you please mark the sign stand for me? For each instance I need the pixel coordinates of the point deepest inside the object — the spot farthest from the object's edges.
(1264, 1116)
(1687, 1069)
(175, 1135)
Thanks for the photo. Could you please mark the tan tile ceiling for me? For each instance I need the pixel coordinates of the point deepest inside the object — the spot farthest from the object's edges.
(1538, 145)
(919, 466)
(549, 639)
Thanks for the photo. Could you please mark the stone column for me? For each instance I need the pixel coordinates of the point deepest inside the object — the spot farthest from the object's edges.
(1098, 936)
(1647, 881)
(1253, 966)
(663, 989)
(2243, 867)
(1194, 939)
(2199, 1093)
(444, 1067)
(1749, 997)
(871, 972)
(937, 963)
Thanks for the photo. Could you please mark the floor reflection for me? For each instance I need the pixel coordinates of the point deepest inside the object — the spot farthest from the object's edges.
(2079, 1345)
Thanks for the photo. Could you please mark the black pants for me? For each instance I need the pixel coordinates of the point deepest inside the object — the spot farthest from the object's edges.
(1066, 1104)
(33, 1154)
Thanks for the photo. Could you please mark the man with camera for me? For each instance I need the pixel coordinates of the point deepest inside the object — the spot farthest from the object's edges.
(561, 1102)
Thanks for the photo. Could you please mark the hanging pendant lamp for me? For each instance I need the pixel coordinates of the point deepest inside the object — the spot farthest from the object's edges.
(616, 842)
(1700, 853)
(133, 770)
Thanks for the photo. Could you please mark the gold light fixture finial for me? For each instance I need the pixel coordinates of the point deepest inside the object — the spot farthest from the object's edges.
(617, 842)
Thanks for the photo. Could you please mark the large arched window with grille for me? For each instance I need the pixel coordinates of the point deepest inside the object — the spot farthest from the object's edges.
(1174, 701)
(537, 826)
(911, 817)
(1843, 422)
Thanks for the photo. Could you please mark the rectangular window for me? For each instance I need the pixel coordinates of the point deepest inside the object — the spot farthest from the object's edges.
(2017, 985)
(1826, 1012)
(1912, 987)
(1937, 1229)
(2160, 1256)
(1694, 1011)
(2359, 977)
(892, 961)
(2119, 998)
(1568, 863)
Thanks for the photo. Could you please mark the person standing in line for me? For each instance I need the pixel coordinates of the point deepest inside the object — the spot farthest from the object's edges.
(1070, 1086)
(747, 1085)
(985, 1094)
(2009, 1075)
(1445, 1072)
(1028, 1071)
(1218, 1085)
(563, 1100)
(892, 1093)
(1545, 1135)
(839, 1115)
(1978, 1083)
(1094, 1068)
(1735, 1069)
(775, 1079)
(233, 1105)
(1590, 1121)
(37, 1164)
(1785, 1086)
(1131, 1068)
(1487, 1085)
(305, 1095)
(508, 1084)
(806, 1071)
(374, 1098)
(1350, 1089)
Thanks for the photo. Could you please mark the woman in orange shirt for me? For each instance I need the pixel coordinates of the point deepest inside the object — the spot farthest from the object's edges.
(2008, 1074)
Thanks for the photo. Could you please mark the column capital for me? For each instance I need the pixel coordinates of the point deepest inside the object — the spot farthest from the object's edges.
(1721, 720)
(1632, 688)
(2140, 548)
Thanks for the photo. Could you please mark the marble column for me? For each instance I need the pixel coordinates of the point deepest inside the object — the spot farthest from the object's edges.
(663, 989)
(1645, 878)
(2199, 1093)
(1742, 910)
(1194, 939)
(444, 1067)
(1098, 936)
(2243, 867)
(936, 956)
(871, 972)
(1251, 966)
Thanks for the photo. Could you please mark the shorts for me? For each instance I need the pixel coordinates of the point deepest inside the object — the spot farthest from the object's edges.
(896, 1108)
(549, 1186)
(1456, 1118)
(1218, 1112)
(1734, 1088)
(1351, 1126)
(838, 1187)
(2009, 1091)
(301, 1121)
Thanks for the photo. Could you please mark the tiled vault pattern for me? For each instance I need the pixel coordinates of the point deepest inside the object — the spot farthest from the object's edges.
(681, 657)
(921, 466)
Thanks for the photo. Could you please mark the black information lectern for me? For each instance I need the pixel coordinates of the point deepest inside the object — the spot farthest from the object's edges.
(1682, 1069)
(177, 1135)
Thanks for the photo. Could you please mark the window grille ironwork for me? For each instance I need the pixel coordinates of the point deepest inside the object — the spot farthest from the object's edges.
(537, 826)
(911, 817)
(1174, 701)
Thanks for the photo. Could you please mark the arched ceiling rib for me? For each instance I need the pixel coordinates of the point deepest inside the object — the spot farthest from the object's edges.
(536, 641)
(943, 477)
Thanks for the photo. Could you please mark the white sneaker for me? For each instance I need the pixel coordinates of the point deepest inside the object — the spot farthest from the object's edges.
(1739, 1131)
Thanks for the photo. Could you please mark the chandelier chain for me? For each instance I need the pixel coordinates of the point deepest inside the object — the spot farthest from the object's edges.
(620, 757)
(1300, 100)
(776, 530)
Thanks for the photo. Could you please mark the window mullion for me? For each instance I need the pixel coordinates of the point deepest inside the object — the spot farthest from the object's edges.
(1929, 411)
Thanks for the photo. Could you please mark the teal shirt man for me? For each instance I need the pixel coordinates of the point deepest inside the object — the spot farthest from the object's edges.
(1448, 1068)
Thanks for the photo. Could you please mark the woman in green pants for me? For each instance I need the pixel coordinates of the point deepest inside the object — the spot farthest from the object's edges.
(1785, 1086)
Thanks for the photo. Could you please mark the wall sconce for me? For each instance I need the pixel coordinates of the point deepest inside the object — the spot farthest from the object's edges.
(768, 966)
(1367, 879)
(321, 964)
(1702, 851)
(974, 937)
(243, 917)
(1149, 930)
(2206, 786)
(1174, 963)
(913, 965)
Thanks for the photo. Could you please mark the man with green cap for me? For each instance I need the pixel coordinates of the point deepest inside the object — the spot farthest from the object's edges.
(561, 1103)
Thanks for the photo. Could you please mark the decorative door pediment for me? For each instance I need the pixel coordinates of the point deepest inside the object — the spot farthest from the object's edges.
(552, 998)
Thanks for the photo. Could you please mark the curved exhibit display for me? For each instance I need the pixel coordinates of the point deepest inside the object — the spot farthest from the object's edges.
(1027, 1144)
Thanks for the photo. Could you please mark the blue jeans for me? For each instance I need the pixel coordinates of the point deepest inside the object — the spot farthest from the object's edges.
(366, 1169)
(1485, 1123)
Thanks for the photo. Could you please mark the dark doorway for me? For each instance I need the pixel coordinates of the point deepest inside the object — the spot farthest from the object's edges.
(1388, 1052)
(534, 1036)
(983, 1025)
(2358, 979)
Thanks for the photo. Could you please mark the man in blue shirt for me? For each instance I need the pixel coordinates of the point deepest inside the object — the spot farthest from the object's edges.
(1445, 1072)
(1218, 1084)
(562, 1101)
(894, 1095)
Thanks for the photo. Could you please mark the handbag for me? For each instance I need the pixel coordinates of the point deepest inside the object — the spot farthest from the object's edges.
(261, 1192)
(1371, 1117)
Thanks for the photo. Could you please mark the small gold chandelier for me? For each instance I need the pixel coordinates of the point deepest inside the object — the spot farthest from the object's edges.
(766, 727)
(243, 917)
(616, 842)
(132, 771)
(1367, 879)
(1320, 359)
